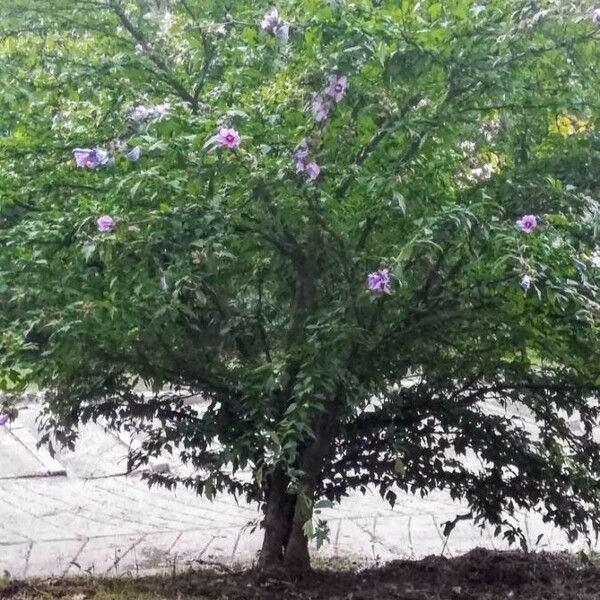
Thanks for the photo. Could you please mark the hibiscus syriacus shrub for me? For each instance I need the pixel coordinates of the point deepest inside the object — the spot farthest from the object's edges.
(364, 232)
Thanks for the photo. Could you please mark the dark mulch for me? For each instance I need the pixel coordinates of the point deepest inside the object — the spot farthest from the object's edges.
(478, 575)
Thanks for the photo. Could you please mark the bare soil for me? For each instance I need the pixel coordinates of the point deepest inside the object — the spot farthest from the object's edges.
(478, 575)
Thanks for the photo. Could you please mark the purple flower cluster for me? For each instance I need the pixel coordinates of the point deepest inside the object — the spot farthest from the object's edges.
(379, 281)
(303, 162)
(4, 419)
(596, 16)
(334, 92)
(91, 158)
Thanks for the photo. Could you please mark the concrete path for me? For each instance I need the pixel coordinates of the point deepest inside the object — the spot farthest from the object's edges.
(79, 513)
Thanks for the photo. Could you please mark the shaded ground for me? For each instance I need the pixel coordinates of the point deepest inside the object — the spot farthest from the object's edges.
(478, 575)
(96, 520)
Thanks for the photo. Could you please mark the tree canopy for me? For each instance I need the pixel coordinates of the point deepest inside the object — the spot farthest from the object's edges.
(345, 224)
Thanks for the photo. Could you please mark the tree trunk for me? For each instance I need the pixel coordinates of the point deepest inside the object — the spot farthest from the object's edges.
(277, 522)
(285, 546)
(284, 552)
(296, 558)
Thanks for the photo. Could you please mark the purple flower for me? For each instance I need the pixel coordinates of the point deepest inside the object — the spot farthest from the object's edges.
(105, 223)
(270, 20)
(90, 157)
(301, 156)
(134, 154)
(162, 284)
(84, 157)
(140, 113)
(101, 156)
(272, 23)
(160, 111)
(282, 31)
(337, 87)
(312, 170)
(228, 138)
(379, 281)
(596, 16)
(525, 282)
(4, 419)
(304, 163)
(527, 223)
(301, 151)
(320, 108)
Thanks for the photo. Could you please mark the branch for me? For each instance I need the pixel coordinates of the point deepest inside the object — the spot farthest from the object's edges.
(260, 321)
(277, 243)
(166, 74)
(208, 55)
(389, 126)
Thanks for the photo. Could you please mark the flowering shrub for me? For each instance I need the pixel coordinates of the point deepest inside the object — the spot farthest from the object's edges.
(312, 213)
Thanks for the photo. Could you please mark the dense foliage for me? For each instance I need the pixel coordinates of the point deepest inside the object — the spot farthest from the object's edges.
(345, 224)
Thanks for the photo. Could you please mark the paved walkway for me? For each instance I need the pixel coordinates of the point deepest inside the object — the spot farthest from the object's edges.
(79, 513)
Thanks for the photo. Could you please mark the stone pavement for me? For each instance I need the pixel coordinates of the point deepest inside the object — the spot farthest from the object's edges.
(80, 513)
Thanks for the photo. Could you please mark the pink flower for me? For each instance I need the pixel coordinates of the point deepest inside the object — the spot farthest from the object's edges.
(229, 138)
(312, 170)
(105, 223)
(320, 108)
(337, 87)
(527, 223)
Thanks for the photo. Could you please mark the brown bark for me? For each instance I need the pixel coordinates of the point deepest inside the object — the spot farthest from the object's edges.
(296, 556)
(277, 522)
(285, 552)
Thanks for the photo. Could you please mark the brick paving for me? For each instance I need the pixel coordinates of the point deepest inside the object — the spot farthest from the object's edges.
(79, 513)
